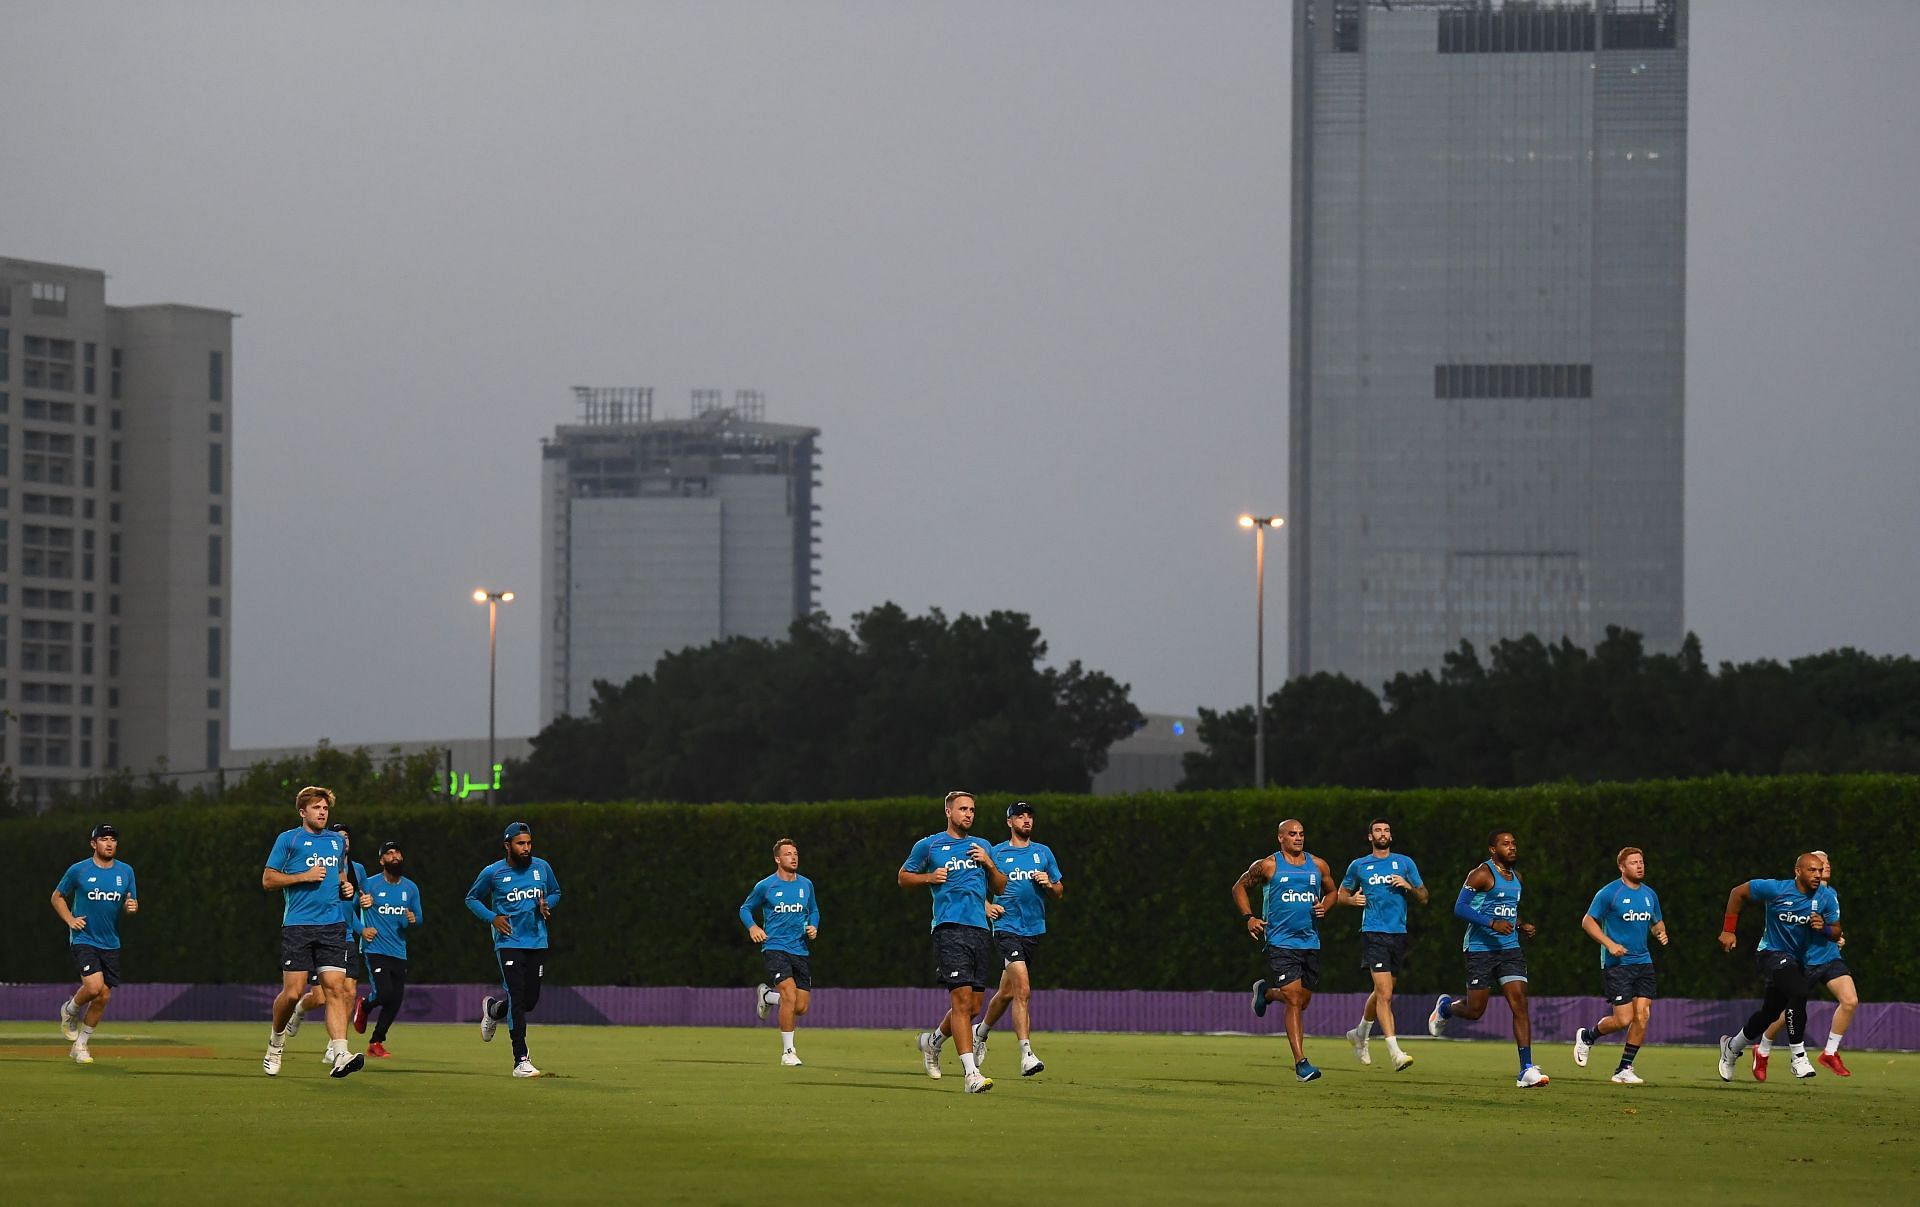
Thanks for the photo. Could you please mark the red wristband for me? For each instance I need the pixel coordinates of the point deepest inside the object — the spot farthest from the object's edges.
(1731, 923)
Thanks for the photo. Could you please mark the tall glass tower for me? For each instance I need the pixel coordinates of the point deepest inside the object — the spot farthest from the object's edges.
(1488, 296)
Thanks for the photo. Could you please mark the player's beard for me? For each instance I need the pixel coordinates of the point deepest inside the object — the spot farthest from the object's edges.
(519, 864)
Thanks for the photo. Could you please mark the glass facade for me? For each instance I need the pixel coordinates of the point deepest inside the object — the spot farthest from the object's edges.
(1488, 326)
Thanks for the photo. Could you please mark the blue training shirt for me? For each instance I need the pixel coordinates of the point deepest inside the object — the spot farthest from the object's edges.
(96, 893)
(388, 917)
(1787, 910)
(501, 888)
(350, 906)
(1820, 949)
(1501, 901)
(293, 853)
(1626, 915)
(1288, 905)
(1024, 901)
(786, 908)
(963, 898)
(1386, 908)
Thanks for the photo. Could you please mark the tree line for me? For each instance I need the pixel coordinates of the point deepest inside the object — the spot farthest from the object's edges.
(1537, 712)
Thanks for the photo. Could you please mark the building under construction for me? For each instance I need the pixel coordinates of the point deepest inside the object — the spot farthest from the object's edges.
(659, 534)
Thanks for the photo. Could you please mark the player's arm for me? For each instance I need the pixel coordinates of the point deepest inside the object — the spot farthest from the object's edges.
(551, 897)
(480, 902)
(1414, 886)
(66, 914)
(747, 918)
(1056, 885)
(1326, 901)
(132, 903)
(1257, 873)
(912, 874)
(982, 854)
(1591, 925)
(1729, 926)
(1479, 880)
(1346, 893)
(813, 911)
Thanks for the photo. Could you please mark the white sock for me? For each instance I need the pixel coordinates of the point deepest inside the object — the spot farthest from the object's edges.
(86, 1031)
(300, 1008)
(981, 1028)
(1393, 1046)
(938, 1039)
(966, 1062)
(1765, 1046)
(73, 1003)
(1833, 1040)
(1026, 1047)
(1739, 1042)
(1365, 1028)
(276, 1039)
(1799, 1051)
(786, 1041)
(772, 997)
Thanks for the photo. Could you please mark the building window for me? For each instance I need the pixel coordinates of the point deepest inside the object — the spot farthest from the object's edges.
(213, 514)
(86, 367)
(216, 470)
(213, 745)
(113, 380)
(213, 697)
(49, 298)
(6, 350)
(216, 422)
(216, 377)
(213, 559)
(213, 605)
(213, 652)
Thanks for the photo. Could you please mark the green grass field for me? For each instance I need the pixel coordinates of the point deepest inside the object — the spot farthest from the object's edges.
(181, 1112)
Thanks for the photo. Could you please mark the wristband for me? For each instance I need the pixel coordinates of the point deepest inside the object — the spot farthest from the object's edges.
(1731, 923)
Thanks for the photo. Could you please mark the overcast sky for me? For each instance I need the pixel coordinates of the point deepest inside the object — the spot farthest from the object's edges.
(1024, 263)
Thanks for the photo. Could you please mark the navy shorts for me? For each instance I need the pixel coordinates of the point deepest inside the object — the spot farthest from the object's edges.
(1016, 949)
(1490, 969)
(103, 960)
(1382, 952)
(961, 955)
(1779, 970)
(1628, 981)
(1286, 965)
(1820, 974)
(782, 965)
(312, 948)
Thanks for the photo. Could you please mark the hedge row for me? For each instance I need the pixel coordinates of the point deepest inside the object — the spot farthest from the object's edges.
(651, 890)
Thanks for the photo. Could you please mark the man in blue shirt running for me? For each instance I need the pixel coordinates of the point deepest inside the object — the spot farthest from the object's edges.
(1299, 890)
(515, 895)
(1489, 903)
(1019, 918)
(1824, 967)
(1793, 920)
(1623, 916)
(100, 887)
(782, 914)
(306, 868)
(351, 922)
(961, 871)
(1380, 882)
(396, 909)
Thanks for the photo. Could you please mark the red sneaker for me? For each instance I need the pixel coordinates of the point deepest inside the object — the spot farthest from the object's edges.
(1759, 1066)
(379, 1050)
(360, 1015)
(1832, 1061)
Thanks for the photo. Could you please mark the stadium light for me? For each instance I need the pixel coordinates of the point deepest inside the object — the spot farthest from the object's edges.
(493, 600)
(1260, 524)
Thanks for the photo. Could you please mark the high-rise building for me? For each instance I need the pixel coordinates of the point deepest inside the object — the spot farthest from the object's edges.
(1489, 238)
(662, 534)
(115, 510)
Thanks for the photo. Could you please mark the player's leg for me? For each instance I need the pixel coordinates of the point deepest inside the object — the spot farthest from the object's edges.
(1002, 999)
(389, 990)
(525, 970)
(1513, 987)
(91, 1001)
(1846, 998)
(1296, 995)
(1471, 1006)
(789, 1006)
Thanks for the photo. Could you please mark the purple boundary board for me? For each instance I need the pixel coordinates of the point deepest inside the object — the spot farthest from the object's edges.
(1877, 1025)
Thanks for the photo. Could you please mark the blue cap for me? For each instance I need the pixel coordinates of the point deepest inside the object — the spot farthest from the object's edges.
(517, 828)
(1018, 807)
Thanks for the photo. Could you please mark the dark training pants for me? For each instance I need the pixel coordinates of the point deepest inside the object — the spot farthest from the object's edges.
(520, 971)
(389, 990)
(1787, 990)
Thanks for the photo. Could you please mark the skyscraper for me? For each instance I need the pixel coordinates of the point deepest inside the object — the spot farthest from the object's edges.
(115, 464)
(1489, 237)
(663, 534)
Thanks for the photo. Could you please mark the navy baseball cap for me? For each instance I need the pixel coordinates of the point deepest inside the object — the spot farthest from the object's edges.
(340, 827)
(389, 845)
(517, 828)
(104, 831)
(1018, 807)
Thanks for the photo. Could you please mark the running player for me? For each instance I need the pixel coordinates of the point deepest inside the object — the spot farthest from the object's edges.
(1299, 890)
(1489, 903)
(305, 867)
(1380, 882)
(791, 910)
(961, 871)
(516, 896)
(1622, 916)
(1019, 918)
(100, 887)
(352, 921)
(1793, 920)
(396, 909)
(1824, 967)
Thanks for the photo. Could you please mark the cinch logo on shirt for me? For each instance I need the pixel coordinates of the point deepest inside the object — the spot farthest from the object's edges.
(1379, 878)
(957, 865)
(94, 894)
(1637, 916)
(392, 910)
(1789, 916)
(1505, 909)
(1023, 873)
(522, 894)
(790, 907)
(1297, 894)
(322, 861)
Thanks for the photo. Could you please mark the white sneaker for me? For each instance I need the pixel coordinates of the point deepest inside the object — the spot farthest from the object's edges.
(1361, 1050)
(1728, 1058)
(330, 1056)
(69, 1021)
(1436, 1026)
(524, 1068)
(294, 1020)
(487, 1021)
(790, 1058)
(1031, 1064)
(1529, 1077)
(80, 1054)
(979, 1046)
(1581, 1048)
(978, 1083)
(929, 1055)
(270, 1064)
(760, 1001)
(346, 1064)
(1803, 1068)
(1627, 1076)
(1402, 1063)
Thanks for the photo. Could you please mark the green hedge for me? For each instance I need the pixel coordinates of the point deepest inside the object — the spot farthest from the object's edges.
(651, 890)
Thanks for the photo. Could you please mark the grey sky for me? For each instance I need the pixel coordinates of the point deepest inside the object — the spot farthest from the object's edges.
(1026, 265)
